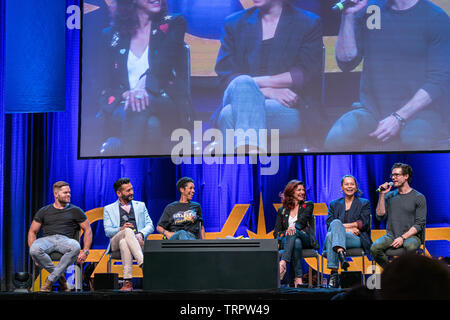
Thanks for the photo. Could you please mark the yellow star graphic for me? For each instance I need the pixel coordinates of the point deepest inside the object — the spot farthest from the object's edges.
(261, 232)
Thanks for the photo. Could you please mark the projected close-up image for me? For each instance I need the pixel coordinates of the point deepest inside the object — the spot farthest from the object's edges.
(194, 77)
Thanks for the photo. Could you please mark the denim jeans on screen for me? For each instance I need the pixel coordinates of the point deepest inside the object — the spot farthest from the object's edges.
(351, 132)
(245, 107)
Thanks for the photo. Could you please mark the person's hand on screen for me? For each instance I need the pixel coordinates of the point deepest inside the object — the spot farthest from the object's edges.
(136, 99)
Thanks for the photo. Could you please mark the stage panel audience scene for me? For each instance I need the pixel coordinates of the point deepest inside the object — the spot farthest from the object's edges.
(349, 98)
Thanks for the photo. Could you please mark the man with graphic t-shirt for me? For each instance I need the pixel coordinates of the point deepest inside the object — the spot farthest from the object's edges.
(61, 222)
(182, 220)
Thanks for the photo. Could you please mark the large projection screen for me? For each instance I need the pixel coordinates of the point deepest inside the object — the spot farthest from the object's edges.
(184, 94)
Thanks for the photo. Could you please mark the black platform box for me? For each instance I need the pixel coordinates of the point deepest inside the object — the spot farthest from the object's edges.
(106, 281)
(211, 264)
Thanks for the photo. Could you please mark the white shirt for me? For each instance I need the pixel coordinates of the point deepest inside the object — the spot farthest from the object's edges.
(292, 221)
(136, 67)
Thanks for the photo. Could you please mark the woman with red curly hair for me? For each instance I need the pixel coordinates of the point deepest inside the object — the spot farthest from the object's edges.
(145, 95)
(294, 228)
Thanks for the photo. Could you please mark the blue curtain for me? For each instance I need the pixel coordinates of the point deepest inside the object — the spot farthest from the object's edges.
(35, 57)
(2, 134)
(40, 149)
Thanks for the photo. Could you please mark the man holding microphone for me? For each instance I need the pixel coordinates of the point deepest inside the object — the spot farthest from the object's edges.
(405, 209)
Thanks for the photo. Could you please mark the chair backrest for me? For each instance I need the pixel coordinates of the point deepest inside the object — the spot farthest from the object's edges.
(320, 209)
(93, 216)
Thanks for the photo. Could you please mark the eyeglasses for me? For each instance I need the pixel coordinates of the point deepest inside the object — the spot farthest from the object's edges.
(396, 175)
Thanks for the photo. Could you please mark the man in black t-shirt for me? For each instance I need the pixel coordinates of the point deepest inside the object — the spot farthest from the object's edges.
(182, 220)
(61, 222)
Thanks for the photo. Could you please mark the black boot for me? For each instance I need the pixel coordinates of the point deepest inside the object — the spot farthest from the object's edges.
(343, 260)
(333, 280)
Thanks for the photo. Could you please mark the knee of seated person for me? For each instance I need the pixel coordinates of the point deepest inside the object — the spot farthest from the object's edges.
(419, 134)
(242, 80)
(336, 223)
(154, 124)
(411, 246)
(75, 246)
(225, 119)
(119, 114)
(298, 244)
(128, 232)
(243, 84)
(375, 249)
(35, 250)
(336, 140)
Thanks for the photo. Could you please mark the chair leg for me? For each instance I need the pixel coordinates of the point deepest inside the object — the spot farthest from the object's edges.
(363, 271)
(78, 277)
(310, 277)
(318, 273)
(108, 266)
(322, 274)
(34, 276)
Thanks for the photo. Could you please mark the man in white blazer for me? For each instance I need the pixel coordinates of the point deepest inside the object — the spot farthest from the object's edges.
(127, 224)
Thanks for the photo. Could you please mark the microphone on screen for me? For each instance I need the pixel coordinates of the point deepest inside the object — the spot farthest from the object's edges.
(342, 5)
(382, 189)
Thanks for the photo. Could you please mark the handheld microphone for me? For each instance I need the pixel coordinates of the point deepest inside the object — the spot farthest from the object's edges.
(341, 5)
(125, 218)
(382, 189)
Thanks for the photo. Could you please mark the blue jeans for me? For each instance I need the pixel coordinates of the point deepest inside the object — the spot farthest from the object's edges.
(379, 247)
(183, 235)
(292, 250)
(245, 107)
(338, 237)
(351, 132)
(40, 252)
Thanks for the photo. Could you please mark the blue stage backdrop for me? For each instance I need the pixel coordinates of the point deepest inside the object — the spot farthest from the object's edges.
(2, 131)
(35, 55)
(43, 149)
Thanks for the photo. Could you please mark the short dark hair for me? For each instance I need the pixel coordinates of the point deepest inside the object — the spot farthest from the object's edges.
(181, 183)
(59, 185)
(406, 169)
(119, 182)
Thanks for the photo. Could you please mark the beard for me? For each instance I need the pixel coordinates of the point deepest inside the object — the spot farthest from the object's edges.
(127, 199)
(63, 200)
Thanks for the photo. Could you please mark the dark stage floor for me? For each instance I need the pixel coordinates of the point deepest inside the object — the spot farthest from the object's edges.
(188, 295)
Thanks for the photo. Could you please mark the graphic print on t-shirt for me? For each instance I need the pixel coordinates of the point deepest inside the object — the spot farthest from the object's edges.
(182, 217)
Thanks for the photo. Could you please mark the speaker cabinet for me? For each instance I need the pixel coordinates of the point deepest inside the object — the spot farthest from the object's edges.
(210, 264)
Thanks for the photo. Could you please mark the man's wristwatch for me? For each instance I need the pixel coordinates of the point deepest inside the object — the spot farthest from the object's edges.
(86, 252)
(403, 237)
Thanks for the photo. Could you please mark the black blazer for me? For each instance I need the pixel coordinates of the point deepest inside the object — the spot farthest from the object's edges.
(298, 38)
(359, 211)
(167, 61)
(305, 222)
